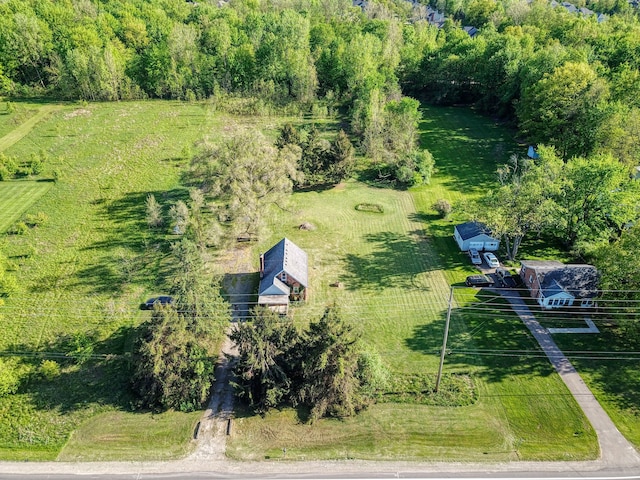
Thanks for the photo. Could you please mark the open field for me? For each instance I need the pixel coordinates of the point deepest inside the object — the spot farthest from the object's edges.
(17, 197)
(85, 271)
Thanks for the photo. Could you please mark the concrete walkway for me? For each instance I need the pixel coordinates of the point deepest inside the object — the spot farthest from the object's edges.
(591, 328)
(615, 450)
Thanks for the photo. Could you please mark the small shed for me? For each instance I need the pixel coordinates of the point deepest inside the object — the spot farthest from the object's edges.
(475, 235)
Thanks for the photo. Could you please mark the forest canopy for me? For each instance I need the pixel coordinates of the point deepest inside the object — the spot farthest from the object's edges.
(564, 78)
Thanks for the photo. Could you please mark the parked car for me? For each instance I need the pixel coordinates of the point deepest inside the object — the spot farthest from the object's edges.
(491, 259)
(505, 278)
(161, 300)
(475, 256)
(478, 281)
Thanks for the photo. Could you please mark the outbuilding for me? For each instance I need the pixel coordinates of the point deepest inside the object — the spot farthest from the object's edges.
(475, 235)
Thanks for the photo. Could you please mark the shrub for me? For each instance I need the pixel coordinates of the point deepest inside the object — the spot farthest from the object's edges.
(20, 228)
(443, 208)
(9, 376)
(81, 347)
(49, 369)
(370, 207)
(8, 284)
(35, 219)
(8, 167)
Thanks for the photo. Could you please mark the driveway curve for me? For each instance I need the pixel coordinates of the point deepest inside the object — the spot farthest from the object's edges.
(615, 450)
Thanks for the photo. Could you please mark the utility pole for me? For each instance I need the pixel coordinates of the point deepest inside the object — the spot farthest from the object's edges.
(444, 341)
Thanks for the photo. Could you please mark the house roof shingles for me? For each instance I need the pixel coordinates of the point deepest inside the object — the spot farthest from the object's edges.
(285, 256)
(472, 229)
(580, 280)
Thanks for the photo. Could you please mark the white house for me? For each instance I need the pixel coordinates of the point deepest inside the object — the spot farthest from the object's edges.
(475, 235)
(553, 284)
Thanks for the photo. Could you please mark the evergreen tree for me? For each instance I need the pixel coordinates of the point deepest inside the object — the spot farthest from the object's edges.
(172, 368)
(330, 368)
(266, 366)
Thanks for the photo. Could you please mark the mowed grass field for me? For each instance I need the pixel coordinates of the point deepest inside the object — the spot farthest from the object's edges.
(85, 271)
(16, 197)
(394, 269)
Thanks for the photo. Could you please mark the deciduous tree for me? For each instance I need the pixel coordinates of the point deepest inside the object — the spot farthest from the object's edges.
(565, 108)
(247, 176)
(524, 201)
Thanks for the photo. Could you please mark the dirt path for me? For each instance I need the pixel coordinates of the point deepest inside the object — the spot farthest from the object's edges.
(23, 129)
(217, 419)
(615, 450)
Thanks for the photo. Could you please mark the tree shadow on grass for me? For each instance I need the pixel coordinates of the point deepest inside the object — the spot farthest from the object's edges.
(395, 261)
(91, 371)
(466, 146)
(440, 234)
(127, 218)
(609, 364)
(492, 342)
(129, 251)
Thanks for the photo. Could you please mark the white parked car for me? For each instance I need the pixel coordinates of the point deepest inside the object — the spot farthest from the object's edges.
(475, 256)
(491, 260)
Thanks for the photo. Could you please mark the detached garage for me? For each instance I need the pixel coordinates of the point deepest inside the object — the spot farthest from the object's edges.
(475, 235)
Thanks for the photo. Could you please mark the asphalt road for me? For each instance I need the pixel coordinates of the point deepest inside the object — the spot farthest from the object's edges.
(405, 474)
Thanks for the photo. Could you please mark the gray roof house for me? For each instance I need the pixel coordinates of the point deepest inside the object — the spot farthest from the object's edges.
(554, 284)
(475, 235)
(283, 276)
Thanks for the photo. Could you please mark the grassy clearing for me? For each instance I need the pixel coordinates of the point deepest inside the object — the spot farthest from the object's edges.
(20, 111)
(395, 289)
(119, 436)
(16, 197)
(85, 271)
(384, 431)
(24, 120)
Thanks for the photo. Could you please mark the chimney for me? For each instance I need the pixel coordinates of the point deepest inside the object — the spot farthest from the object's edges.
(261, 265)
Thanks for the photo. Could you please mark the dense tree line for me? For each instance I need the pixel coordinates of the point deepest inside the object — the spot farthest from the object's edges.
(175, 354)
(323, 367)
(564, 79)
(585, 202)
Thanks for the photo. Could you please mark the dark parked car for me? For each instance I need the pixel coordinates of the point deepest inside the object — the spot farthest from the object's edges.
(161, 300)
(478, 281)
(505, 278)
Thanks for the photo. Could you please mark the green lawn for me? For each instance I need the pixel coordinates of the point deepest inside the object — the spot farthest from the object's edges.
(610, 369)
(119, 436)
(395, 269)
(16, 197)
(85, 271)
